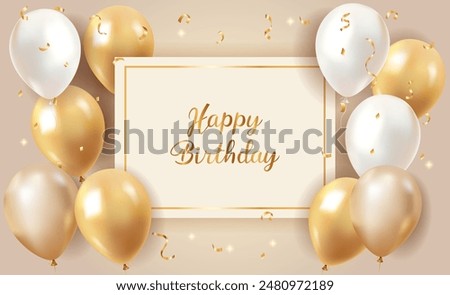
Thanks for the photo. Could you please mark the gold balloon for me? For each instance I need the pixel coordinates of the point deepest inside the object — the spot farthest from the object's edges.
(330, 226)
(38, 205)
(116, 31)
(385, 207)
(69, 130)
(415, 72)
(113, 213)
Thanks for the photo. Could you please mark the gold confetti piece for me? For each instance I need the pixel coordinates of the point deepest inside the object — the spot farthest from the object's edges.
(186, 17)
(428, 46)
(326, 155)
(422, 156)
(216, 249)
(273, 243)
(99, 23)
(269, 29)
(221, 37)
(429, 165)
(81, 148)
(372, 44)
(45, 48)
(325, 268)
(393, 13)
(117, 59)
(59, 164)
(427, 119)
(304, 22)
(262, 255)
(24, 142)
(345, 20)
(410, 90)
(60, 9)
(53, 102)
(53, 263)
(372, 151)
(20, 93)
(66, 64)
(35, 125)
(343, 107)
(167, 258)
(97, 98)
(268, 215)
(22, 13)
(377, 116)
(144, 33)
(343, 51)
(125, 267)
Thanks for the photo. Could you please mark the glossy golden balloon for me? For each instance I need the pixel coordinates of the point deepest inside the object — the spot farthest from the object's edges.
(113, 213)
(69, 130)
(116, 31)
(330, 226)
(39, 208)
(415, 72)
(385, 208)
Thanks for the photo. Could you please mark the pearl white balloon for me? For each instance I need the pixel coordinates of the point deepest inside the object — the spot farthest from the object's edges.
(45, 50)
(382, 130)
(342, 54)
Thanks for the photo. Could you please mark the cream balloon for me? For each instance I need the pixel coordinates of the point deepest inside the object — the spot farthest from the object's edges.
(45, 50)
(382, 130)
(39, 208)
(344, 47)
(385, 208)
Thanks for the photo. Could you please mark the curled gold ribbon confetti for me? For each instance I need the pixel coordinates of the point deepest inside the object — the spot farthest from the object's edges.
(268, 215)
(81, 179)
(99, 23)
(20, 93)
(304, 22)
(422, 156)
(221, 37)
(343, 107)
(269, 29)
(345, 20)
(326, 155)
(262, 255)
(393, 13)
(325, 268)
(59, 164)
(164, 247)
(217, 249)
(144, 33)
(377, 116)
(427, 119)
(186, 17)
(428, 46)
(45, 48)
(125, 267)
(372, 44)
(343, 51)
(372, 151)
(53, 263)
(117, 59)
(23, 12)
(410, 90)
(35, 125)
(66, 64)
(60, 9)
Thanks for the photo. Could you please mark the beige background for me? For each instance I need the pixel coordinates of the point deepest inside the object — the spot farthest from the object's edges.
(243, 23)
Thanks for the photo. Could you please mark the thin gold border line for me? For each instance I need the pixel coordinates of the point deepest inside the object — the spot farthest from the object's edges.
(324, 131)
(242, 66)
(224, 66)
(124, 120)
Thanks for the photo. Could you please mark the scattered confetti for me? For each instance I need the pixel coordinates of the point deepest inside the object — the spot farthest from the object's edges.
(97, 98)
(59, 164)
(422, 156)
(66, 64)
(304, 22)
(125, 267)
(377, 116)
(81, 179)
(20, 93)
(372, 44)
(186, 17)
(53, 263)
(269, 29)
(217, 249)
(221, 37)
(372, 151)
(268, 215)
(428, 46)
(345, 20)
(393, 13)
(343, 51)
(35, 125)
(343, 107)
(24, 142)
(325, 268)
(23, 11)
(117, 59)
(262, 255)
(60, 9)
(429, 165)
(164, 247)
(45, 48)
(99, 24)
(410, 90)
(427, 119)
(144, 33)
(81, 148)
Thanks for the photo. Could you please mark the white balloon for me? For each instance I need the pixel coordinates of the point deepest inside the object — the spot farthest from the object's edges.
(342, 47)
(382, 130)
(45, 50)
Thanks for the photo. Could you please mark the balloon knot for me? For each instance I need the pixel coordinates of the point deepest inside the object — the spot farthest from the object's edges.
(82, 179)
(380, 259)
(325, 268)
(125, 267)
(53, 263)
